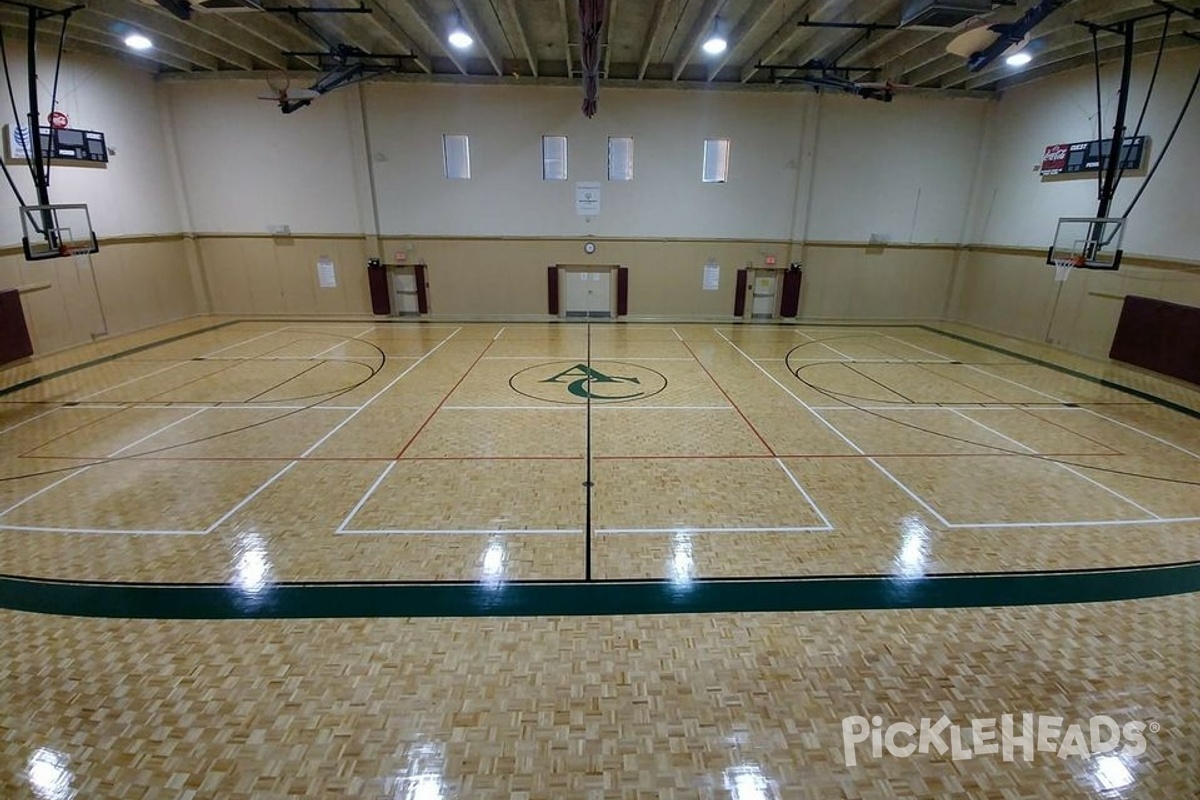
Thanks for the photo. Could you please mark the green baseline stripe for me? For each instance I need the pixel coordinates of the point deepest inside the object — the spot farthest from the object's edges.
(293, 601)
(34, 381)
(1138, 393)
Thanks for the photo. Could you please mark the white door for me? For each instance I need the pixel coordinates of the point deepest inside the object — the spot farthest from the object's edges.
(588, 294)
(404, 291)
(600, 293)
(763, 304)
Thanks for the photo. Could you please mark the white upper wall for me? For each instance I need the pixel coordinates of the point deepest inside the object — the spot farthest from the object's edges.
(507, 196)
(134, 194)
(1016, 206)
(245, 165)
(901, 169)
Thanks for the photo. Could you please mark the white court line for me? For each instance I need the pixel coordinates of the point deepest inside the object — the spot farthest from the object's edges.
(799, 488)
(46, 529)
(792, 394)
(843, 436)
(821, 342)
(456, 531)
(363, 332)
(583, 407)
(1014, 383)
(1061, 465)
(941, 520)
(331, 432)
(31, 419)
(363, 500)
(677, 336)
(82, 470)
(690, 529)
(1139, 430)
(940, 356)
(499, 333)
(177, 365)
(223, 407)
(1074, 523)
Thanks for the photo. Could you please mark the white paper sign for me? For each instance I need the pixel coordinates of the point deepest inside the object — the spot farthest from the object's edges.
(712, 276)
(326, 276)
(587, 199)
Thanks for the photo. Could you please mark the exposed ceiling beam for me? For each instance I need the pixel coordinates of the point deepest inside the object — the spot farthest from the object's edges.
(745, 26)
(701, 27)
(1063, 33)
(162, 25)
(510, 20)
(182, 53)
(277, 34)
(217, 26)
(97, 42)
(828, 44)
(473, 27)
(656, 21)
(1176, 42)
(789, 30)
(436, 30)
(566, 30)
(382, 17)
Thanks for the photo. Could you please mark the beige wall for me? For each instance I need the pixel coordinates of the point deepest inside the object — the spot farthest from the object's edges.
(1014, 292)
(496, 278)
(141, 283)
(262, 275)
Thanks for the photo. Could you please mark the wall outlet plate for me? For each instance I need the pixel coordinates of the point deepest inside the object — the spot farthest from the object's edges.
(279, 230)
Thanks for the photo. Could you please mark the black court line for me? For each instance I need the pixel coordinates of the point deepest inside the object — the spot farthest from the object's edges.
(34, 381)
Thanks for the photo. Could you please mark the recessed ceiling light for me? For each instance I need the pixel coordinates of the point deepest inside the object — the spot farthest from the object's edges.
(1018, 59)
(135, 41)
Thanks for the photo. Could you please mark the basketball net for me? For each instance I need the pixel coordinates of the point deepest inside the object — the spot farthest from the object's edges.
(1063, 267)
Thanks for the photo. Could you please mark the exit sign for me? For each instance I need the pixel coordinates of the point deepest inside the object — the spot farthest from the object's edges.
(770, 261)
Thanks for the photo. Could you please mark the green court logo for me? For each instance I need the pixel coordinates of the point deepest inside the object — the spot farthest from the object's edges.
(597, 382)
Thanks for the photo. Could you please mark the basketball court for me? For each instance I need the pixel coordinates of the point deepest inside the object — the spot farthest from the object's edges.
(427, 452)
(381, 418)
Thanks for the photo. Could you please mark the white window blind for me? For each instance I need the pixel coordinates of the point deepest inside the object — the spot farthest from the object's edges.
(554, 158)
(456, 151)
(716, 161)
(620, 158)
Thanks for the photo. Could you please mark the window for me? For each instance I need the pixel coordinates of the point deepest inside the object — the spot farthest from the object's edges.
(456, 151)
(716, 161)
(554, 158)
(620, 158)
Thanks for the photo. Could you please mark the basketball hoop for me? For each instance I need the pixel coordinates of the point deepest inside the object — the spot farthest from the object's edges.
(1063, 267)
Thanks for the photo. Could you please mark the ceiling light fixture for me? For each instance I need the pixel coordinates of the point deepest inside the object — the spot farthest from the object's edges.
(136, 41)
(458, 36)
(1018, 59)
(716, 43)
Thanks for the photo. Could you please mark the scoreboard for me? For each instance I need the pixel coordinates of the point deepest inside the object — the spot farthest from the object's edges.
(67, 146)
(1060, 159)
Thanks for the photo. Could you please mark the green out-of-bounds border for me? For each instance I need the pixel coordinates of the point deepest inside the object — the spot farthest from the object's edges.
(595, 598)
(307, 600)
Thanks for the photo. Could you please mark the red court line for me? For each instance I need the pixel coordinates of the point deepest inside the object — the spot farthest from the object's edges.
(650, 457)
(721, 389)
(441, 403)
